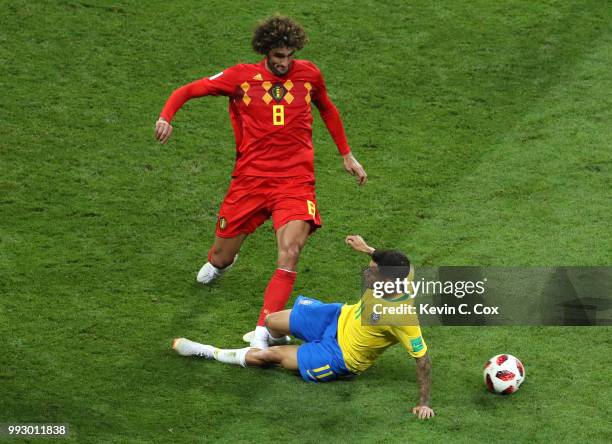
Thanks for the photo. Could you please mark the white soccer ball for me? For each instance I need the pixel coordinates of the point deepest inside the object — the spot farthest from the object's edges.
(503, 374)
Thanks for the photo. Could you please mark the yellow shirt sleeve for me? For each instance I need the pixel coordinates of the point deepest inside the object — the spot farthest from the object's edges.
(411, 338)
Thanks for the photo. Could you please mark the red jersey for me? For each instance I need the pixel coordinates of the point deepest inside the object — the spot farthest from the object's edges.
(271, 116)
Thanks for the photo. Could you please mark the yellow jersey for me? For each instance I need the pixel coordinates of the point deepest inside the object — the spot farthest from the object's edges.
(362, 344)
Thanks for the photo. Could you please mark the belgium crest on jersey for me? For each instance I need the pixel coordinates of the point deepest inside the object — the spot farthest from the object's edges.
(222, 223)
(278, 91)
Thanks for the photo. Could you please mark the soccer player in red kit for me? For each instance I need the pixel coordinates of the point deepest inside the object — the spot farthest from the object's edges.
(270, 111)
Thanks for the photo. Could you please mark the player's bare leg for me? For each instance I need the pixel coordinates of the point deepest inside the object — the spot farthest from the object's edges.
(284, 355)
(278, 323)
(225, 249)
(291, 238)
(221, 257)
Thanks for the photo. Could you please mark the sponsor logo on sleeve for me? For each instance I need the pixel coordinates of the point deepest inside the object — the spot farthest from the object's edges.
(417, 344)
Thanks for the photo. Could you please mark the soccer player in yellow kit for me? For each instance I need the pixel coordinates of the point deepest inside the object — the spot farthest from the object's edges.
(337, 341)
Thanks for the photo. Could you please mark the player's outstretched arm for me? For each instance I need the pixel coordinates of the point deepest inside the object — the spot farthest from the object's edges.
(333, 122)
(220, 84)
(423, 366)
(163, 128)
(357, 243)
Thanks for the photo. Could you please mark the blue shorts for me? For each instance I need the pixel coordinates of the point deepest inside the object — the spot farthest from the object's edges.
(316, 323)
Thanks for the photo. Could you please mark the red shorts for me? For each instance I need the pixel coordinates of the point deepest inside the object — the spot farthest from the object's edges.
(250, 201)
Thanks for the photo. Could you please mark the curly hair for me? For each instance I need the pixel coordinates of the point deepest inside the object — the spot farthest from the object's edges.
(278, 32)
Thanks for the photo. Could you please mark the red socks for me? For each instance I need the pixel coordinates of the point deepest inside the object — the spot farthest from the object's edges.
(277, 293)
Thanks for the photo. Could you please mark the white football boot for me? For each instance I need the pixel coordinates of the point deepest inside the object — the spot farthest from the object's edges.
(248, 336)
(185, 347)
(209, 273)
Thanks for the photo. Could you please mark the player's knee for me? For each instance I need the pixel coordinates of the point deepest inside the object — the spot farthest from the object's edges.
(282, 356)
(291, 251)
(273, 319)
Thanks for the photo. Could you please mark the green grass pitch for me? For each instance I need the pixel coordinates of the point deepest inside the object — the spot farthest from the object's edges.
(484, 127)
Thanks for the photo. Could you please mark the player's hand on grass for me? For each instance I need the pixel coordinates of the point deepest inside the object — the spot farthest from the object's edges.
(356, 242)
(163, 130)
(353, 167)
(423, 412)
